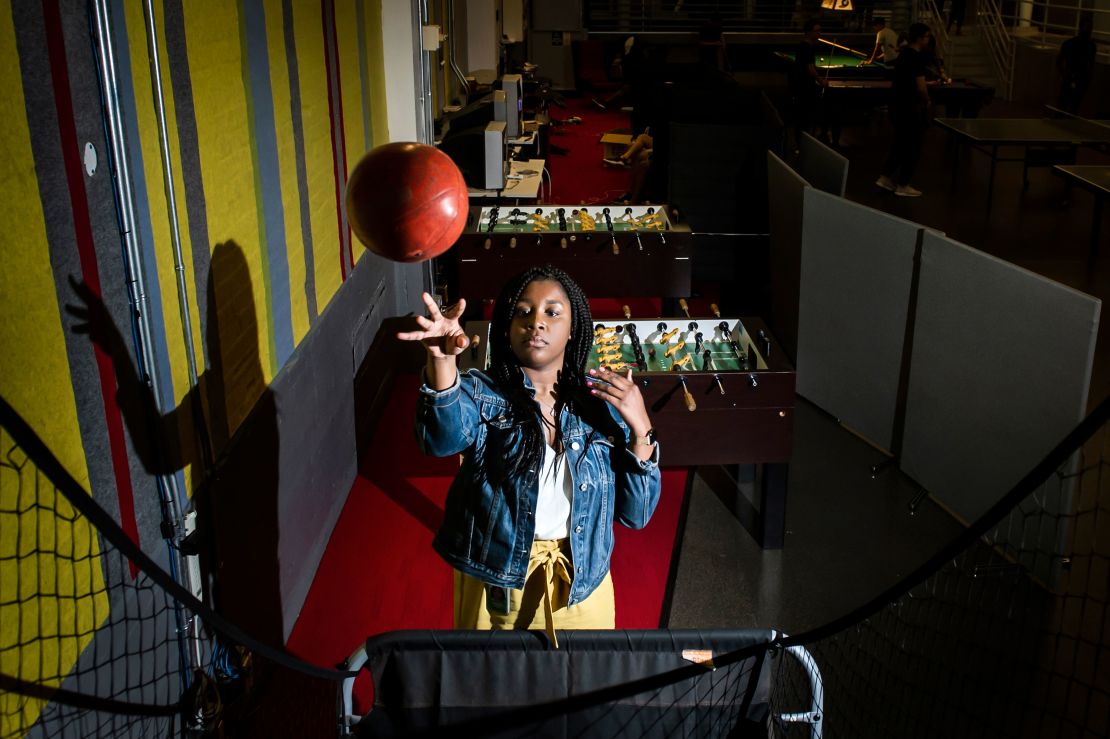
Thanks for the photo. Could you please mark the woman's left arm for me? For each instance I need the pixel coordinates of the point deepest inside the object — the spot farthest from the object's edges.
(636, 467)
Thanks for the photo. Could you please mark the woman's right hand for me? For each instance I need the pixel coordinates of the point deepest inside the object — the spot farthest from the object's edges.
(442, 335)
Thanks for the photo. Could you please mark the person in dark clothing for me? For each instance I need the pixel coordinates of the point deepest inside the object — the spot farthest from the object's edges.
(805, 83)
(956, 12)
(909, 113)
(1076, 64)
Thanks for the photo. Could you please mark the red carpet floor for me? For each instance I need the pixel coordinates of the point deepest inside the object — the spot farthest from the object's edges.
(578, 177)
(379, 572)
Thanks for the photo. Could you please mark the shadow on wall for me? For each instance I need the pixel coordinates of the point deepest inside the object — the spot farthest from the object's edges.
(234, 423)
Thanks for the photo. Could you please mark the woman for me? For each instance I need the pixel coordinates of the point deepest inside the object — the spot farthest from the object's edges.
(551, 455)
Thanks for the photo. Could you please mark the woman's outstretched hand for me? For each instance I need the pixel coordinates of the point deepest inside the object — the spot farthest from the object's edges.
(441, 333)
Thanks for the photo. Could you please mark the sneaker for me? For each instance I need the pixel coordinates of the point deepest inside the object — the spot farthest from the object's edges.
(907, 191)
(886, 183)
(597, 103)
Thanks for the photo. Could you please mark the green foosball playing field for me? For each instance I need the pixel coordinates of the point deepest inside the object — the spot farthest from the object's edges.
(685, 346)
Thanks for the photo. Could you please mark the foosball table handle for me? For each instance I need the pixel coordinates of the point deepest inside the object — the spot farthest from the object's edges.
(684, 306)
(691, 405)
(627, 312)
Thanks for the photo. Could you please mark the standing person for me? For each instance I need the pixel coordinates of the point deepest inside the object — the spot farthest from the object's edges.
(956, 12)
(886, 43)
(806, 84)
(551, 455)
(1076, 64)
(909, 113)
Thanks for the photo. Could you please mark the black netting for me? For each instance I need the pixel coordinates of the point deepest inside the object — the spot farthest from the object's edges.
(1007, 635)
(1005, 632)
(96, 639)
(75, 618)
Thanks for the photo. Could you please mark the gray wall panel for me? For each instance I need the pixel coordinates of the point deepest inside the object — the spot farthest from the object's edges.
(856, 272)
(999, 373)
(822, 167)
(784, 219)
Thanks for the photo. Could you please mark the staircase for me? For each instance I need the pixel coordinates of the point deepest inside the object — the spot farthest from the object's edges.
(968, 58)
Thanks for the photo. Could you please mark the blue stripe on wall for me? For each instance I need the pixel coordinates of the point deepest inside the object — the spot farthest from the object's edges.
(269, 177)
(163, 385)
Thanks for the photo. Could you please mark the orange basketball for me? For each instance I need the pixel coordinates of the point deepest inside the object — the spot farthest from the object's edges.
(406, 201)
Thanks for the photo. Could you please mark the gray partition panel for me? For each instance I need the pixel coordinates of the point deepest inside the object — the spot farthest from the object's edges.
(999, 374)
(784, 220)
(856, 272)
(822, 167)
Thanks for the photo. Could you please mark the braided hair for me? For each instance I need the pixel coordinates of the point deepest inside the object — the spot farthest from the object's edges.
(505, 371)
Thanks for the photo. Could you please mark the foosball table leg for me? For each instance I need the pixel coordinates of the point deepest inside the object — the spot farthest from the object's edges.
(772, 505)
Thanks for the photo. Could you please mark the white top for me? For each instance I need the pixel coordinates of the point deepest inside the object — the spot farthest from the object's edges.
(887, 39)
(553, 506)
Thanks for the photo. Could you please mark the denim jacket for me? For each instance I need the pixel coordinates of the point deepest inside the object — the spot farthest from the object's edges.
(488, 529)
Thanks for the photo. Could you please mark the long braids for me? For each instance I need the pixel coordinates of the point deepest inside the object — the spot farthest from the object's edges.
(505, 370)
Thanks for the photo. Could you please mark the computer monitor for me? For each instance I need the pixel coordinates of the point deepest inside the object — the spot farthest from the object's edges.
(473, 115)
(513, 87)
(481, 154)
(496, 155)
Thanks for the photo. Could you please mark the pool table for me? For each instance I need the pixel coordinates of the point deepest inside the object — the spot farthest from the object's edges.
(840, 65)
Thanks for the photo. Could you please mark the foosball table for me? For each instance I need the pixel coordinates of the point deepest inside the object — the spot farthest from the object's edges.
(630, 250)
(718, 392)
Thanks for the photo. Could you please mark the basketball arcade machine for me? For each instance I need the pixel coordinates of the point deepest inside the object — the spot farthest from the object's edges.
(717, 390)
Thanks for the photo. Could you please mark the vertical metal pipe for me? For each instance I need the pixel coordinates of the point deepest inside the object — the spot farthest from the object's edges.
(451, 39)
(122, 186)
(179, 268)
(426, 72)
(171, 198)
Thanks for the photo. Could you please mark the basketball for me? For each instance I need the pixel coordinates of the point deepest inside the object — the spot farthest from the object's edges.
(406, 201)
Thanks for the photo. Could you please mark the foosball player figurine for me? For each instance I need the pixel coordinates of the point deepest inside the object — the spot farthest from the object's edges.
(723, 325)
(636, 348)
(698, 339)
(707, 361)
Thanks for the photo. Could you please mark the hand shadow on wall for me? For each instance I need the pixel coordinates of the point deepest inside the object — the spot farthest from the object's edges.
(234, 414)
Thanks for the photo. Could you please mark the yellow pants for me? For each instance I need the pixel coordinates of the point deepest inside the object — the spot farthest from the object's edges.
(542, 604)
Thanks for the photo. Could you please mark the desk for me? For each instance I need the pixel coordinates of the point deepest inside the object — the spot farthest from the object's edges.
(1050, 140)
(527, 187)
(1096, 179)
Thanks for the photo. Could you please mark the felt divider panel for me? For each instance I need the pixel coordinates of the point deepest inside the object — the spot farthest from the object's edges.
(785, 188)
(999, 374)
(856, 272)
(821, 166)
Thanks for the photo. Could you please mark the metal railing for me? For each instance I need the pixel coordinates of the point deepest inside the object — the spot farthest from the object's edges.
(999, 43)
(732, 16)
(1053, 21)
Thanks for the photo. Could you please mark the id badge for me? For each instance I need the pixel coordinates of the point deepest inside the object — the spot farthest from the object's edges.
(497, 600)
